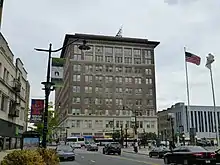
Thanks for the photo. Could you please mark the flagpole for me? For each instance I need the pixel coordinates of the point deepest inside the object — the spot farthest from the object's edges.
(187, 90)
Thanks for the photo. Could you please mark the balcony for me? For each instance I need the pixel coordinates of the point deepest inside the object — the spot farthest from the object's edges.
(13, 111)
(16, 85)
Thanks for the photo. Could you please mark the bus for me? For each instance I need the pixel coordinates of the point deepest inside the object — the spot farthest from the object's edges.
(75, 140)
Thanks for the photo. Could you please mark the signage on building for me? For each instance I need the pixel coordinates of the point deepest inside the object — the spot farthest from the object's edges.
(37, 110)
(57, 71)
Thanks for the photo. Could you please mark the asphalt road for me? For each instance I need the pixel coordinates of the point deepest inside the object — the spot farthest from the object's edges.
(84, 157)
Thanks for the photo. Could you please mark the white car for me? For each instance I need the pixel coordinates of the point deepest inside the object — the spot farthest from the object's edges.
(76, 145)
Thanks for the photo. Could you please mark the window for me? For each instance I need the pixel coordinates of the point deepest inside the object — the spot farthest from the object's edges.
(4, 102)
(88, 100)
(78, 123)
(148, 61)
(148, 81)
(119, 101)
(76, 77)
(108, 101)
(73, 123)
(99, 58)
(128, 60)
(137, 70)
(88, 111)
(147, 54)
(88, 68)
(88, 78)
(108, 79)
(150, 91)
(98, 101)
(128, 70)
(118, 69)
(118, 59)
(118, 90)
(99, 50)
(88, 57)
(76, 89)
(108, 51)
(127, 52)
(117, 124)
(88, 123)
(137, 80)
(128, 80)
(118, 79)
(109, 69)
(137, 53)
(98, 89)
(76, 111)
(141, 124)
(88, 89)
(108, 90)
(137, 60)
(108, 59)
(138, 102)
(77, 57)
(150, 102)
(118, 52)
(76, 100)
(98, 68)
(128, 90)
(148, 71)
(77, 68)
(129, 102)
(138, 91)
(98, 78)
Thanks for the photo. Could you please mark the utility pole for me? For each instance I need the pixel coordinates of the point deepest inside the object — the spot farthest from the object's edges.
(126, 134)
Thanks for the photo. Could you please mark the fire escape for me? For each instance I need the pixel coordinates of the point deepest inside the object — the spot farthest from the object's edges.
(14, 104)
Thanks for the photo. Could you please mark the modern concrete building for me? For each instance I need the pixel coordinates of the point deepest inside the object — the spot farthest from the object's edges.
(14, 97)
(202, 119)
(105, 86)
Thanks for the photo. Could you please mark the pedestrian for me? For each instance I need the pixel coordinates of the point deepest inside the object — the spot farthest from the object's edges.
(135, 146)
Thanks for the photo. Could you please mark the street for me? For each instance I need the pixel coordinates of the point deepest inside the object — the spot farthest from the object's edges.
(84, 157)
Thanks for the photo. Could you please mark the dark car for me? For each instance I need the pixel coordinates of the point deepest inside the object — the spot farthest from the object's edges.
(112, 148)
(217, 156)
(190, 155)
(158, 152)
(65, 152)
(92, 147)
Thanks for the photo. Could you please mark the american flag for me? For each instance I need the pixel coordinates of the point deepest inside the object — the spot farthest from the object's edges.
(192, 58)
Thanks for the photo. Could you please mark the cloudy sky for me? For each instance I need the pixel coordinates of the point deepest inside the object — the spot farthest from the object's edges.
(175, 23)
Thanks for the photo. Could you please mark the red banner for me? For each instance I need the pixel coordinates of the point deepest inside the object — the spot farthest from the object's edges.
(37, 110)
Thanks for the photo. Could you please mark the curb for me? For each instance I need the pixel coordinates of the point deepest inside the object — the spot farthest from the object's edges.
(131, 152)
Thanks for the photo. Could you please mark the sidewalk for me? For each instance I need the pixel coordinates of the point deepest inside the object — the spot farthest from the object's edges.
(142, 151)
(5, 152)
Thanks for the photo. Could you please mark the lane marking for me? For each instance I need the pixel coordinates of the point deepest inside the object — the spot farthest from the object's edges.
(139, 161)
(82, 157)
(93, 161)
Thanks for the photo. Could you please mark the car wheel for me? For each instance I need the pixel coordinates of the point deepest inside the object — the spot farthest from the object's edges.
(166, 160)
(73, 159)
(150, 155)
(103, 151)
(119, 153)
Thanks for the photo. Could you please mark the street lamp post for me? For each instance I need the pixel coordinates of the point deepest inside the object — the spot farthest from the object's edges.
(171, 119)
(183, 136)
(122, 136)
(126, 134)
(48, 85)
(210, 60)
(165, 135)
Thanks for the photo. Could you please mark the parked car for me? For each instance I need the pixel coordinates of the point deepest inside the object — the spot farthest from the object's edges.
(92, 147)
(112, 148)
(190, 155)
(158, 152)
(65, 152)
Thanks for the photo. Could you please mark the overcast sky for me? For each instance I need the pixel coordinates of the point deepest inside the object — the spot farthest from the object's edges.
(175, 23)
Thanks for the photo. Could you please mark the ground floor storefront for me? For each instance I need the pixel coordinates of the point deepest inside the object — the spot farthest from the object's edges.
(10, 135)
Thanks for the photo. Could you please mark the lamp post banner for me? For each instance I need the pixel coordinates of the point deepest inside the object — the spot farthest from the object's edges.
(37, 110)
(57, 71)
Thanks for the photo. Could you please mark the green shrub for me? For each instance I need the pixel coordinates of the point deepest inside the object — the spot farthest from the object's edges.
(23, 157)
(49, 155)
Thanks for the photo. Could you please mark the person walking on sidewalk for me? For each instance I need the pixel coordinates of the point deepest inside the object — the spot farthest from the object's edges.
(136, 146)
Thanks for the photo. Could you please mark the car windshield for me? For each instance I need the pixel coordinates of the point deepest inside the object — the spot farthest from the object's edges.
(196, 149)
(64, 148)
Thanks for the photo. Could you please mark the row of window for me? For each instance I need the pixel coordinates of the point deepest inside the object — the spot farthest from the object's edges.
(118, 79)
(100, 124)
(117, 69)
(119, 90)
(109, 101)
(117, 51)
(100, 112)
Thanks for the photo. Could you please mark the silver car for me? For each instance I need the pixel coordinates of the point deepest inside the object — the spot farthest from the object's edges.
(92, 147)
(65, 152)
